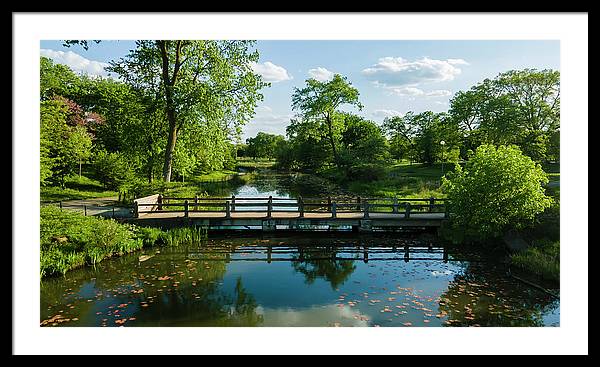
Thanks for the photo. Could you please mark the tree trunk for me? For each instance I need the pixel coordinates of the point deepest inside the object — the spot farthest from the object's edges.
(170, 147)
(79, 167)
(330, 133)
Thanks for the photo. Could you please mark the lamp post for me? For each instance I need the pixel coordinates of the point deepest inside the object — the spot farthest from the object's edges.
(442, 143)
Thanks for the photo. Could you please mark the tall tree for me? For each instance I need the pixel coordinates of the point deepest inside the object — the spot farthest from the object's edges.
(322, 99)
(197, 81)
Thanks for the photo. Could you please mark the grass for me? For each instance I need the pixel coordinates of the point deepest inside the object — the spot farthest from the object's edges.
(541, 259)
(75, 188)
(69, 240)
(249, 164)
(401, 180)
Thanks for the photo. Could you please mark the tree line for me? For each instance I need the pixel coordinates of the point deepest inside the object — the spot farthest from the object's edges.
(518, 107)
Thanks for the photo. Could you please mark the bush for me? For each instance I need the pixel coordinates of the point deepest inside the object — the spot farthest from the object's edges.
(366, 172)
(113, 170)
(499, 189)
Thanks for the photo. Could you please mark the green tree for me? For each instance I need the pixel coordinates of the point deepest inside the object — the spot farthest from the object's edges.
(56, 79)
(209, 82)
(498, 189)
(362, 141)
(80, 143)
(263, 145)
(321, 100)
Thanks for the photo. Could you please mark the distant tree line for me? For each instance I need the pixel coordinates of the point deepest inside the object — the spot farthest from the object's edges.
(520, 108)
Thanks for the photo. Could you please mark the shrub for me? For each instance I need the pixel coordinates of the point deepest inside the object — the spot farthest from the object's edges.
(499, 189)
(366, 172)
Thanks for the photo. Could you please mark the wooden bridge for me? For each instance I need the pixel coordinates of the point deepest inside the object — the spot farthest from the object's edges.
(272, 213)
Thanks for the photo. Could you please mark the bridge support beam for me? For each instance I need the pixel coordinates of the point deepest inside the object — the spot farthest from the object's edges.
(365, 226)
(268, 225)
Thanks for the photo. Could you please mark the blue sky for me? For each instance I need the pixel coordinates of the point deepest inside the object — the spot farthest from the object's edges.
(393, 77)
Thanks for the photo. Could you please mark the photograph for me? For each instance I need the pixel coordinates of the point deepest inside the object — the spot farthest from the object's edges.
(202, 183)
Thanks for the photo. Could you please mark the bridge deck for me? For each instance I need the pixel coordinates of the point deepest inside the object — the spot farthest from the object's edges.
(287, 215)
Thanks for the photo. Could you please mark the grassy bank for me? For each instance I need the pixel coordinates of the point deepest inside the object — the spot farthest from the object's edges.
(76, 188)
(402, 180)
(69, 240)
(541, 259)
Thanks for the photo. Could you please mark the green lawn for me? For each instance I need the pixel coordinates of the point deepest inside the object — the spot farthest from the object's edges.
(75, 188)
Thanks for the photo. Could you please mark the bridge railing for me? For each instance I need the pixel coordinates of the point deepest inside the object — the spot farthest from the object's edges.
(300, 205)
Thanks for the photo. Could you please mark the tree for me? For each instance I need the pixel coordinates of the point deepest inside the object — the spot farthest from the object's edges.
(263, 145)
(199, 82)
(62, 146)
(362, 141)
(56, 79)
(322, 99)
(80, 143)
(499, 189)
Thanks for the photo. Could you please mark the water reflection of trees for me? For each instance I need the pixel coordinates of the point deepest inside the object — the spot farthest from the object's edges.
(484, 296)
(193, 295)
(321, 263)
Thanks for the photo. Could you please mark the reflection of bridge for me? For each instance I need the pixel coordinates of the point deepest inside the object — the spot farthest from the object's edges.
(270, 214)
(330, 253)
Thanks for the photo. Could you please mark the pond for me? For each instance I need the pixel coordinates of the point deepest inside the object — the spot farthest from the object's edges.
(321, 279)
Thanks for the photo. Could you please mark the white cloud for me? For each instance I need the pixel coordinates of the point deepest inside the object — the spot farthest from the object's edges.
(457, 62)
(76, 62)
(416, 92)
(407, 91)
(397, 72)
(439, 93)
(386, 113)
(271, 72)
(321, 74)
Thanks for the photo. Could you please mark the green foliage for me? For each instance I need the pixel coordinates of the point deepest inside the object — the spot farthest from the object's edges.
(263, 145)
(498, 189)
(69, 240)
(362, 142)
(520, 107)
(113, 170)
(75, 188)
(542, 259)
(319, 101)
(62, 147)
(366, 172)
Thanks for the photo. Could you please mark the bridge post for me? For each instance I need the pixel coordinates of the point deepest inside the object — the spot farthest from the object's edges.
(366, 210)
(406, 254)
(196, 202)
(329, 203)
(186, 206)
(431, 203)
(270, 206)
(159, 202)
(446, 214)
(85, 210)
(358, 202)
(333, 210)
(445, 255)
(395, 208)
(227, 209)
(136, 213)
(407, 213)
(113, 211)
(232, 203)
(301, 206)
(60, 205)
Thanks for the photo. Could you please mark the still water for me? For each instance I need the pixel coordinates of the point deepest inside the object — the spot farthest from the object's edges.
(296, 282)
(323, 279)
